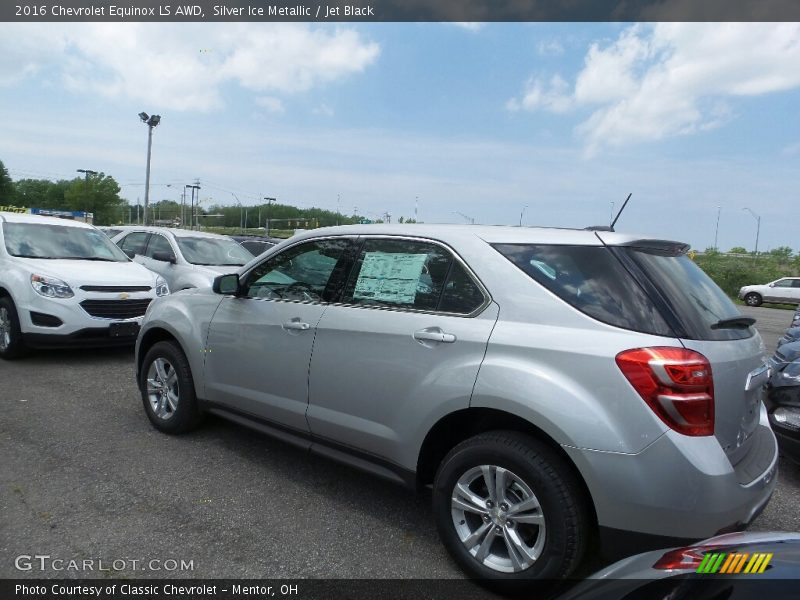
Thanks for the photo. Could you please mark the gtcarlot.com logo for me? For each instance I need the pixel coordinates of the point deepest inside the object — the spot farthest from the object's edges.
(45, 562)
(734, 562)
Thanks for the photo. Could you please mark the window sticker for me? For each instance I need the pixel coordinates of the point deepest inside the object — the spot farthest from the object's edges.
(389, 277)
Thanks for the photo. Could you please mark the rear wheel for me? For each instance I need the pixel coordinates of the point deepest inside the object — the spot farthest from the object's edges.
(753, 299)
(510, 510)
(168, 389)
(11, 343)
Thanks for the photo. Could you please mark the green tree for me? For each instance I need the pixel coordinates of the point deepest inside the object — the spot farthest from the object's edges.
(40, 193)
(737, 250)
(782, 253)
(97, 194)
(6, 186)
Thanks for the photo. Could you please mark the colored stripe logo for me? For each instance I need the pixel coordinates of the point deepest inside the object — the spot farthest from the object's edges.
(734, 562)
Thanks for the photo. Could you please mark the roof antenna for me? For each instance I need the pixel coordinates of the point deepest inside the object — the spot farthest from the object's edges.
(624, 204)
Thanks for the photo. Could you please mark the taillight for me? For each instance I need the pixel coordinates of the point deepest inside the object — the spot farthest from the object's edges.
(676, 384)
(681, 558)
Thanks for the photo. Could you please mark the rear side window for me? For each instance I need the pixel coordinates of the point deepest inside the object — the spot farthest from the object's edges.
(591, 279)
(412, 275)
(134, 242)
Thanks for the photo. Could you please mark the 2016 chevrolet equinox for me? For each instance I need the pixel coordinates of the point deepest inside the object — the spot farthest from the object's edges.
(550, 384)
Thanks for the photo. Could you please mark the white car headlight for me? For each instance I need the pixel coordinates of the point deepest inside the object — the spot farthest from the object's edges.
(162, 289)
(50, 287)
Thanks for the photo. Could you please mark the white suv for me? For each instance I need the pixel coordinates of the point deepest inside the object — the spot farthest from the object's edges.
(785, 290)
(65, 282)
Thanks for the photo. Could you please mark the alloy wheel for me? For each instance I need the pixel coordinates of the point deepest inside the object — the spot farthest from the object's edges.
(498, 518)
(5, 329)
(163, 392)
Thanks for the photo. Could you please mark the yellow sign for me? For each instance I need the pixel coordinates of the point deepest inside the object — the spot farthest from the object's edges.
(13, 209)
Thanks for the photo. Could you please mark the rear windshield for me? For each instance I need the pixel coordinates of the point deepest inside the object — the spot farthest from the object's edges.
(697, 302)
(591, 279)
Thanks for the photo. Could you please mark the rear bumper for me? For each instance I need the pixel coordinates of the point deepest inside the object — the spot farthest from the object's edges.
(676, 490)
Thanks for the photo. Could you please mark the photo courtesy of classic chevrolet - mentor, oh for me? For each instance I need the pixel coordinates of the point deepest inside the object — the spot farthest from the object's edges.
(64, 282)
(552, 386)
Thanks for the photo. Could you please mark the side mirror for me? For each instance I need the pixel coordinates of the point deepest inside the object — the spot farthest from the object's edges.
(165, 257)
(771, 285)
(130, 254)
(227, 284)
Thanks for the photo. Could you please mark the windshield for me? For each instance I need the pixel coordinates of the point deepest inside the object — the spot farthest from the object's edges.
(39, 240)
(212, 251)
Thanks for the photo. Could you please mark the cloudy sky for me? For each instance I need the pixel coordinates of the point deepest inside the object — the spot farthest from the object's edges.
(558, 120)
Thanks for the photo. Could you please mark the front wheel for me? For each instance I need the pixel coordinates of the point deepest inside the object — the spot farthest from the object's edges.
(168, 389)
(11, 343)
(510, 510)
(753, 299)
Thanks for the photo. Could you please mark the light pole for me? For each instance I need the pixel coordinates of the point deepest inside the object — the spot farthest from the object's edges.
(522, 212)
(151, 122)
(758, 226)
(269, 211)
(716, 231)
(87, 173)
(191, 212)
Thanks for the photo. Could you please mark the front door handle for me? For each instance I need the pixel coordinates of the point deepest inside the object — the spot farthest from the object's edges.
(296, 325)
(436, 335)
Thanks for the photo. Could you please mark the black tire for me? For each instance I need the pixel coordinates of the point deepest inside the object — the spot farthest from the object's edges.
(567, 525)
(15, 348)
(753, 299)
(185, 414)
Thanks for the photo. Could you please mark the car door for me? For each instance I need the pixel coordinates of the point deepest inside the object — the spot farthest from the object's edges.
(401, 350)
(259, 342)
(780, 291)
(160, 244)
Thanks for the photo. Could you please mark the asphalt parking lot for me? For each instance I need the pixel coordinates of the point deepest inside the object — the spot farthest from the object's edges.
(84, 475)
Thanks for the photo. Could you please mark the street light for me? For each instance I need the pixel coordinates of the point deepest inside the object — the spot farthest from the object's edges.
(522, 212)
(151, 122)
(716, 231)
(758, 226)
(269, 211)
(191, 213)
(87, 173)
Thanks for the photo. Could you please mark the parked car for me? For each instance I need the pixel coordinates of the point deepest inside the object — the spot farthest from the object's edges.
(785, 290)
(795, 318)
(735, 565)
(64, 282)
(783, 398)
(790, 335)
(548, 384)
(186, 259)
(110, 231)
(256, 244)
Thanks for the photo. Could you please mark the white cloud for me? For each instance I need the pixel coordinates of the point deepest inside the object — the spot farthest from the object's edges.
(550, 48)
(472, 26)
(667, 79)
(323, 110)
(270, 104)
(184, 66)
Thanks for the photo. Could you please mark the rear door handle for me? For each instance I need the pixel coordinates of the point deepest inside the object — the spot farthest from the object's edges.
(296, 325)
(426, 335)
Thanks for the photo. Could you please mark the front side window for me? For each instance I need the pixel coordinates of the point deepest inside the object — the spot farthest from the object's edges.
(218, 252)
(783, 283)
(307, 272)
(39, 240)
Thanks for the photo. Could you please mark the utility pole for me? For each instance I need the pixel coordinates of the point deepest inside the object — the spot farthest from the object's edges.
(416, 209)
(269, 211)
(338, 197)
(758, 226)
(716, 231)
(522, 212)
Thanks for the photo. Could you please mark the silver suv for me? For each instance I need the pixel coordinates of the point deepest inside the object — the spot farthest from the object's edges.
(551, 385)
